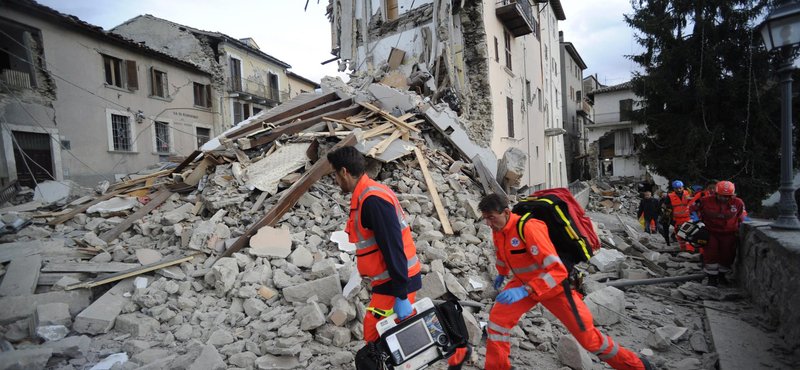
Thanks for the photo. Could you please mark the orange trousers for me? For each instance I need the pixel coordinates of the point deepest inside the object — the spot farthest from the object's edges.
(503, 318)
(383, 302)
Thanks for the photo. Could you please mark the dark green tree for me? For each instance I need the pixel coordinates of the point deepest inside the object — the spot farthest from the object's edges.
(711, 100)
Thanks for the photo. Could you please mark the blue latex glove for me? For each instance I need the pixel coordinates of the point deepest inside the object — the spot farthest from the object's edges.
(512, 295)
(746, 219)
(498, 281)
(694, 217)
(402, 307)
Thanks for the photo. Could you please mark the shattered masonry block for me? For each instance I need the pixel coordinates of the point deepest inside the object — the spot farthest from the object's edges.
(325, 288)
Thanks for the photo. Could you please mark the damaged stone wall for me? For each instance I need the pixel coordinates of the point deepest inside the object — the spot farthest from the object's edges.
(478, 92)
(378, 28)
(45, 91)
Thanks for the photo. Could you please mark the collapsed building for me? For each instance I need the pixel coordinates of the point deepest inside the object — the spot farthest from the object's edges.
(496, 64)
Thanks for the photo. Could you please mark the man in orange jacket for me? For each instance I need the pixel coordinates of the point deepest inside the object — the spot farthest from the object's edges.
(539, 277)
(711, 185)
(722, 213)
(385, 252)
(679, 202)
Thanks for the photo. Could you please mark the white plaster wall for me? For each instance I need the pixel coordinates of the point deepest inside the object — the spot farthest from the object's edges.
(409, 41)
(552, 72)
(81, 117)
(528, 119)
(606, 105)
(628, 166)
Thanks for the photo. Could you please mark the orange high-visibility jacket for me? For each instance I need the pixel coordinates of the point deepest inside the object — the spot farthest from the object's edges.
(680, 207)
(369, 259)
(535, 263)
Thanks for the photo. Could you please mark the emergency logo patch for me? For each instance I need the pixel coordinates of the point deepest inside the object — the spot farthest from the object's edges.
(733, 209)
(514, 242)
(534, 250)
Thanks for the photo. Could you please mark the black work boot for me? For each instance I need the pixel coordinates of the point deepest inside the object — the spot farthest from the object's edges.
(466, 357)
(647, 364)
(712, 280)
(722, 279)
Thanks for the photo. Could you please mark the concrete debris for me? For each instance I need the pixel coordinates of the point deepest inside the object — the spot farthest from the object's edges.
(571, 354)
(512, 167)
(271, 242)
(116, 204)
(33, 359)
(51, 191)
(607, 259)
(265, 174)
(606, 305)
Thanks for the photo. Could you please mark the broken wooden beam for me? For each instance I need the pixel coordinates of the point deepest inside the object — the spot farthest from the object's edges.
(321, 100)
(159, 198)
(437, 202)
(290, 197)
(105, 279)
(88, 267)
(83, 208)
(389, 116)
(299, 126)
(187, 161)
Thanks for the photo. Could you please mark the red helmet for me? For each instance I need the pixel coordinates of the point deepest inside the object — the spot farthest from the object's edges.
(725, 188)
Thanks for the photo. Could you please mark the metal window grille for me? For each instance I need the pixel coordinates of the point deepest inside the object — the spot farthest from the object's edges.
(162, 137)
(122, 133)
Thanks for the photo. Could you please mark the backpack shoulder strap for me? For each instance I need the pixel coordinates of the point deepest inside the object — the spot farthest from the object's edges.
(521, 226)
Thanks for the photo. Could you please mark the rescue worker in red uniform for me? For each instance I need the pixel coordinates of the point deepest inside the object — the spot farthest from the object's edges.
(385, 252)
(722, 213)
(679, 202)
(539, 276)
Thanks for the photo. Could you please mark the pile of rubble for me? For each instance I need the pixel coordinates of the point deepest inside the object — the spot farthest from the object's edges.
(619, 196)
(236, 258)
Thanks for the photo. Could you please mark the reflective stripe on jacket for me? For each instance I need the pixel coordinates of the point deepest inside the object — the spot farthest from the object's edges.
(369, 259)
(680, 207)
(720, 217)
(535, 262)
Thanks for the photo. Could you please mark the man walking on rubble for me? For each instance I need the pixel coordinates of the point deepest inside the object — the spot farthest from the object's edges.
(385, 251)
(709, 190)
(649, 209)
(722, 214)
(538, 275)
(679, 203)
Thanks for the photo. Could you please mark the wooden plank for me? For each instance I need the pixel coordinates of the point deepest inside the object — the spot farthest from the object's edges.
(159, 198)
(297, 127)
(319, 111)
(197, 174)
(52, 278)
(259, 202)
(321, 100)
(88, 267)
(138, 270)
(53, 214)
(437, 202)
(140, 179)
(331, 130)
(290, 197)
(382, 129)
(83, 208)
(186, 161)
(381, 147)
(389, 117)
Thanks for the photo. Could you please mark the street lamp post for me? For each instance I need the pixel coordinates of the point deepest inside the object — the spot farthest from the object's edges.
(781, 31)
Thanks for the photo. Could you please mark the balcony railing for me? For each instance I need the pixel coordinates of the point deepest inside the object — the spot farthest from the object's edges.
(517, 16)
(583, 108)
(253, 90)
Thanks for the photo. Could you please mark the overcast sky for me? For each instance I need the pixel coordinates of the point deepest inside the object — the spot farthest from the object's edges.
(303, 39)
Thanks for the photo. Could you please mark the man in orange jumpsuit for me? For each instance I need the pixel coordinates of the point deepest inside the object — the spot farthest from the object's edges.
(722, 213)
(539, 277)
(679, 202)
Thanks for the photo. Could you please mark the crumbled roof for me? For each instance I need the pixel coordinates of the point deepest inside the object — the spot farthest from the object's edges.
(219, 35)
(623, 86)
(33, 8)
(301, 78)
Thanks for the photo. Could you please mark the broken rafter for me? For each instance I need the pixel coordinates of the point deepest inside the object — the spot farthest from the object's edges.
(389, 117)
(297, 127)
(188, 160)
(159, 198)
(290, 197)
(83, 208)
(437, 202)
(321, 100)
(129, 273)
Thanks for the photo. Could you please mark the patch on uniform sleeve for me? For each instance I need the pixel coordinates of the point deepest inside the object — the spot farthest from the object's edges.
(733, 208)
(534, 250)
(514, 242)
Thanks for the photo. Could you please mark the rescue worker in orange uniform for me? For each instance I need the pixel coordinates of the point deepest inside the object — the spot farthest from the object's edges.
(679, 202)
(385, 252)
(539, 277)
(722, 213)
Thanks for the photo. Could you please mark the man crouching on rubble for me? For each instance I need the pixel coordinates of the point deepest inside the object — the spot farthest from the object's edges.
(385, 251)
(538, 273)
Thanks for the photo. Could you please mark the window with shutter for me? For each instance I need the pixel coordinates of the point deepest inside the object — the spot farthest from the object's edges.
(496, 51)
(625, 109)
(133, 75)
(158, 83)
(510, 113)
(507, 37)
